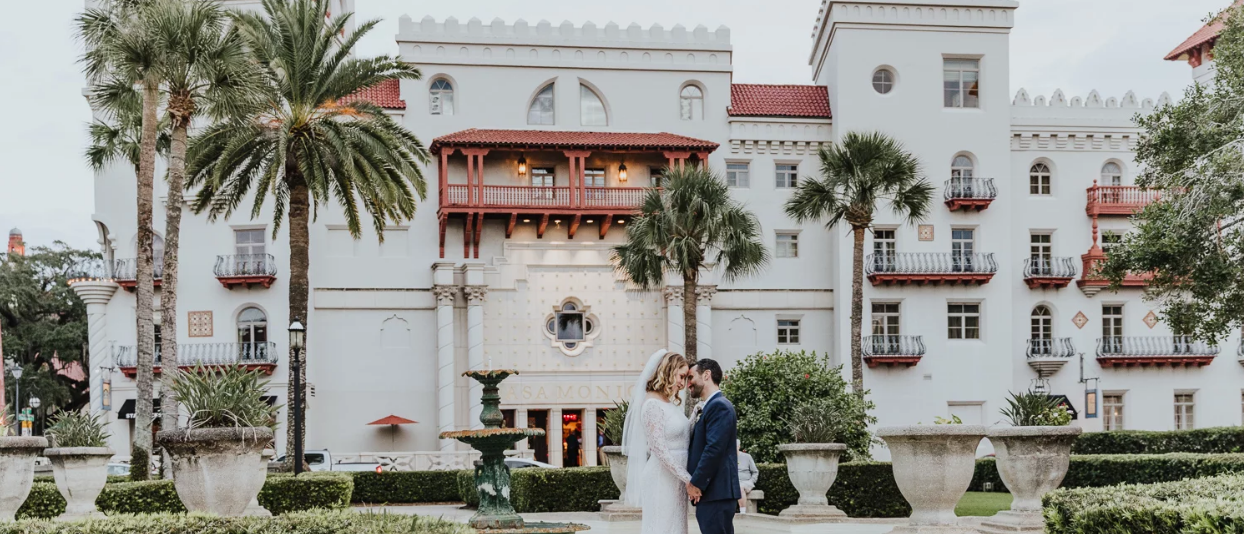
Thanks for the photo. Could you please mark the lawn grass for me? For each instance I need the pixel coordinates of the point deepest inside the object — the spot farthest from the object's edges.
(982, 504)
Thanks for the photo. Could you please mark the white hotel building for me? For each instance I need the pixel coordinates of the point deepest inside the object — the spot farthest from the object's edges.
(543, 137)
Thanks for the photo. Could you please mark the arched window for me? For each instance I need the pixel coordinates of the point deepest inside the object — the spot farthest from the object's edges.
(591, 109)
(541, 110)
(1111, 174)
(691, 103)
(1039, 179)
(961, 172)
(252, 328)
(1042, 322)
(441, 97)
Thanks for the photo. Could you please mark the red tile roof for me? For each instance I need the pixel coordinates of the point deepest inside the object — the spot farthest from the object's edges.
(385, 94)
(552, 140)
(803, 101)
(1206, 34)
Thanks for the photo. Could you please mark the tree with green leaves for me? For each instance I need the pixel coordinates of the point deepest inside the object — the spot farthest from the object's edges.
(686, 228)
(1192, 241)
(858, 173)
(308, 139)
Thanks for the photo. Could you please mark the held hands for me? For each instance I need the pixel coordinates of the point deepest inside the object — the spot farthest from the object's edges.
(694, 493)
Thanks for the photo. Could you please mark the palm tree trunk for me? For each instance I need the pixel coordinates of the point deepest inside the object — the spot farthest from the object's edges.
(299, 286)
(179, 107)
(857, 312)
(689, 281)
(141, 454)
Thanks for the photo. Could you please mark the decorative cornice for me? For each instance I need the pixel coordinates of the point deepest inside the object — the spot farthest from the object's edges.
(673, 295)
(704, 294)
(475, 294)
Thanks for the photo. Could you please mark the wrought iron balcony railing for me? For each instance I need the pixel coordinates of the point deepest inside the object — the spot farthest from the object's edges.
(127, 269)
(929, 263)
(245, 265)
(1058, 347)
(1040, 267)
(893, 345)
(1173, 350)
(92, 269)
(194, 354)
(974, 188)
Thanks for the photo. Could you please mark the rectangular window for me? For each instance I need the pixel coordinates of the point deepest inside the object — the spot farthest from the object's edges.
(964, 321)
(1111, 328)
(884, 249)
(1112, 405)
(1109, 240)
(248, 242)
(737, 175)
(787, 176)
(657, 176)
(543, 177)
(885, 318)
(594, 178)
(1040, 249)
(961, 78)
(788, 331)
(787, 245)
(962, 248)
(1185, 411)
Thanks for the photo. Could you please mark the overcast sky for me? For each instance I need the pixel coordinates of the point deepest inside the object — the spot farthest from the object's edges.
(46, 188)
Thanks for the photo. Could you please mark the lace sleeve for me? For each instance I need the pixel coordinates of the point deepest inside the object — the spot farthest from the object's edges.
(654, 426)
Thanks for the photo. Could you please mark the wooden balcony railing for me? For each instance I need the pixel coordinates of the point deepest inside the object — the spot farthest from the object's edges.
(1126, 351)
(893, 350)
(517, 196)
(262, 356)
(970, 193)
(930, 267)
(1119, 199)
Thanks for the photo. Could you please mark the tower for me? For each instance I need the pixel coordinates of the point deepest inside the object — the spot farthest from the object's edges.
(16, 246)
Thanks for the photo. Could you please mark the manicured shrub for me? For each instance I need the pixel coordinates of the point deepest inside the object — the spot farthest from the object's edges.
(1219, 440)
(337, 522)
(766, 389)
(466, 487)
(149, 497)
(862, 489)
(1195, 506)
(309, 491)
(576, 489)
(406, 487)
(1091, 471)
(44, 502)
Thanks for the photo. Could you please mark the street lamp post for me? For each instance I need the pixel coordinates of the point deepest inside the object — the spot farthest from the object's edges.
(17, 388)
(297, 341)
(35, 403)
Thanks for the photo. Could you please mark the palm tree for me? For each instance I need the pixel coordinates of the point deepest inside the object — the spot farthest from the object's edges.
(120, 51)
(856, 174)
(691, 223)
(309, 140)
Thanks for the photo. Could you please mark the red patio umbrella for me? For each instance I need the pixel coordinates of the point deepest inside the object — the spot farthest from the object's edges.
(392, 421)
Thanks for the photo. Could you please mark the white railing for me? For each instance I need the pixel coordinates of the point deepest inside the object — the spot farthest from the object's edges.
(422, 460)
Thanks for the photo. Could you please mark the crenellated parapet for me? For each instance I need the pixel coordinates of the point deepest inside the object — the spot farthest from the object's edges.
(1090, 123)
(1092, 101)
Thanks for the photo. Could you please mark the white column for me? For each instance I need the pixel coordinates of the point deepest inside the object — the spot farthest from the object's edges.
(520, 421)
(673, 311)
(704, 320)
(555, 436)
(96, 294)
(445, 375)
(475, 347)
(588, 441)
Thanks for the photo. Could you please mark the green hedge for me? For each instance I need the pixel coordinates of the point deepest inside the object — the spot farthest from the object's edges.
(309, 491)
(112, 479)
(149, 497)
(575, 489)
(406, 487)
(1218, 440)
(1198, 506)
(466, 487)
(339, 522)
(1093, 471)
(862, 489)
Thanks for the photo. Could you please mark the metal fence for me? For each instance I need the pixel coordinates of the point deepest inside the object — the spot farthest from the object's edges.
(192, 354)
(893, 345)
(929, 263)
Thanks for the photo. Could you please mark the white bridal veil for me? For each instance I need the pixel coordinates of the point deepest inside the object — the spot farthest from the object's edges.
(634, 442)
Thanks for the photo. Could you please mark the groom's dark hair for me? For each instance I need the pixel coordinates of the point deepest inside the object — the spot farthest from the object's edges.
(714, 370)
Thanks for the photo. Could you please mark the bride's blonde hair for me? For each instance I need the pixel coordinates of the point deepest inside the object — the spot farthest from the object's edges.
(665, 381)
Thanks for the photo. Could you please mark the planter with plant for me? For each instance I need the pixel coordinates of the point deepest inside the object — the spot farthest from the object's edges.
(79, 457)
(1033, 456)
(215, 458)
(17, 465)
(812, 460)
(933, 467)
(612, 425)
(253, 508)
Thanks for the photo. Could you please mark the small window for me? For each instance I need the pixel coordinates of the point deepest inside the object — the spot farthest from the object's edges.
(787, 176)
(1111, 174)
(568, 325)
(1111, 329)
(1112, 406)
(441, 97)
(1109, 240)
(1042, 325)
(691, 103)
(961, 170)
(1040, 251)
(594, 177)
(788, 331)
(884, 250)
(737, 175)
(885, 319)
(657, 176)
(541, 110)
(961, 78)
(1039, 179)
(252, 331)
(962, 249)
(248, 242)
(1185, 411)
(787, 245)
(964, 321)
(883, 81)
(591, 109)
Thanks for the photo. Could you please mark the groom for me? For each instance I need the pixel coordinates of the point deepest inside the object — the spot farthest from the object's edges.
(713, 457)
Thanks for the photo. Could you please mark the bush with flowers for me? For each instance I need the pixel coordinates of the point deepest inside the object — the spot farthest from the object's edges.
(768, 388)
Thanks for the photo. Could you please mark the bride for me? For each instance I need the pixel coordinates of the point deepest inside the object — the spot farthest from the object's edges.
(655, 437)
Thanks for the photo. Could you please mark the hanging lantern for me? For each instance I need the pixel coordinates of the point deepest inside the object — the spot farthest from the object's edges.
(622, 172)
(522, 165)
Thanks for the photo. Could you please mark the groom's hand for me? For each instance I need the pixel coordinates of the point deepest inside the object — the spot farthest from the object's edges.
(694, 493)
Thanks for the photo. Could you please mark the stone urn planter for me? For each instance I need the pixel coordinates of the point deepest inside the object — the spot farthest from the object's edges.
(17, 471)
(1032, 461)
(617, 510)
(80, 474)
(812, 468)
(933, 467)
(216, 470)
(253, 508)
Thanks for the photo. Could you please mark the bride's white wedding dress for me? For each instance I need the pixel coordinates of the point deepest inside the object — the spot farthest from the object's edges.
(664, 483)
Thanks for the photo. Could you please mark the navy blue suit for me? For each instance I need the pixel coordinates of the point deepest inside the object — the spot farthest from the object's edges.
(713, 462)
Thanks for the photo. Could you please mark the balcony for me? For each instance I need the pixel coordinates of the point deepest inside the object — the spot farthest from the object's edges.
(893, 350)
(125, 273)
(930, 268)
(1047, 355)
(243, 270)
(254, 356)
(1049, 273)
(1118, 200)
(528, 199)
(1093, 282)
(970, 193)
(1177, 351)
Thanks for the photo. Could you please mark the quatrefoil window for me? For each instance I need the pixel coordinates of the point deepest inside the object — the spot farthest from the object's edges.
(571, 327)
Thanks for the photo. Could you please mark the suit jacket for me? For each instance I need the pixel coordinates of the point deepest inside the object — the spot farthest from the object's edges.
(712, 458)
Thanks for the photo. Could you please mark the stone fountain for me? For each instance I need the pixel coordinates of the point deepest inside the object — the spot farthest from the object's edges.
(492, 477)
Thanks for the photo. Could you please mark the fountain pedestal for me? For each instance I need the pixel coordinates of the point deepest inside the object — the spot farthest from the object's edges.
(496, 514)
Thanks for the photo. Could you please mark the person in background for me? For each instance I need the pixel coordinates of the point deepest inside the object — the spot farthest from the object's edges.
(748, 475)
